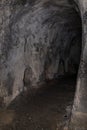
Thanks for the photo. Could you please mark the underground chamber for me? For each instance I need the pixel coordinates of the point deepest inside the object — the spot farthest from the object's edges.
(40, 65)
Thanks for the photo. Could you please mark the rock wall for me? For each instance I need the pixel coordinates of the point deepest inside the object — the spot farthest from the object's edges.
(79, 112)
(38, 41)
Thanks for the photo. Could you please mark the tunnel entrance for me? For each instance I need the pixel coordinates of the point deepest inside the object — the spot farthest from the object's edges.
(48, 107)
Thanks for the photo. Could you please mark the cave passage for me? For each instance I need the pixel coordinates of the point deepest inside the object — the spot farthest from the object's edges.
(49, 106)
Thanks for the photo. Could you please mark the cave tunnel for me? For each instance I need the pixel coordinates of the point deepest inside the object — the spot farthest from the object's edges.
(54, 60)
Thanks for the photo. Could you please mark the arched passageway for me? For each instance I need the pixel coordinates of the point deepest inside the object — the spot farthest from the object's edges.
(50, 36)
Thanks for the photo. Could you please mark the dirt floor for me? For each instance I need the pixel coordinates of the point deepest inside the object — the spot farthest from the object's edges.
(41, 109)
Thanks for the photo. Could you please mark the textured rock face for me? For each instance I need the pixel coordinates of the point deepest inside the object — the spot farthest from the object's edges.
(79, 112)
(38, 40)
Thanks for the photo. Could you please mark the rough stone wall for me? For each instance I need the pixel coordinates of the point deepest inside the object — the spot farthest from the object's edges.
(37, 39)
(79, 112)
(7, 77)
(4, 47)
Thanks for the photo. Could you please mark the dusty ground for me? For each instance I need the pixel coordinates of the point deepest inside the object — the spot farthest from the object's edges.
(43, 109)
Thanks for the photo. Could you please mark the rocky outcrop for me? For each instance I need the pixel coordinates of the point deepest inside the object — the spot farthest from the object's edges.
(39, 40)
